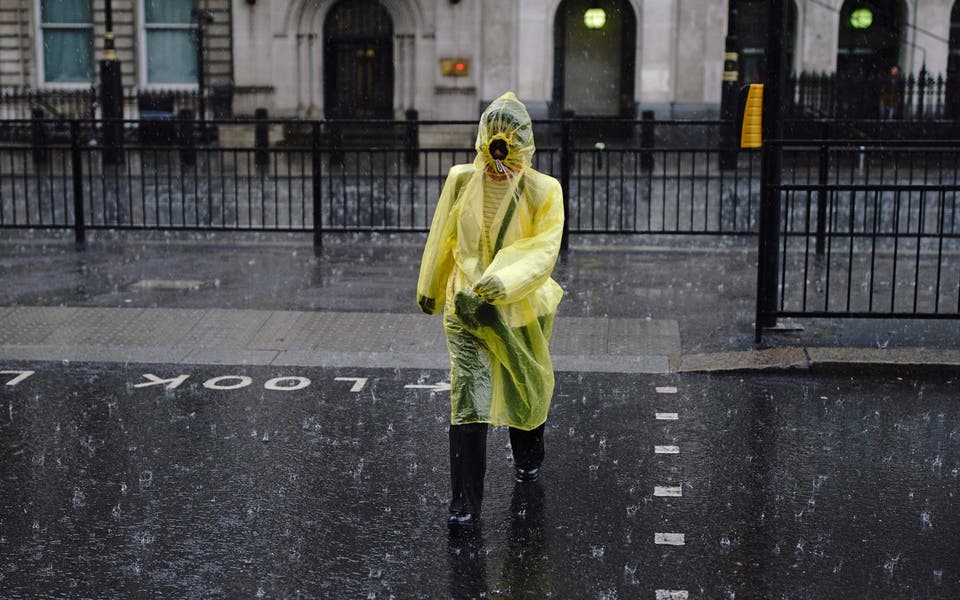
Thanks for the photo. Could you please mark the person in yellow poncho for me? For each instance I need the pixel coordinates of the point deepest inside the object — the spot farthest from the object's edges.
(487, 263)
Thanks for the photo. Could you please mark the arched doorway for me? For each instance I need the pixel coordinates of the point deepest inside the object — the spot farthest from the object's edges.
(753, 38)
(870, 37)
(593, 71)
(358, 60)
(953, 66)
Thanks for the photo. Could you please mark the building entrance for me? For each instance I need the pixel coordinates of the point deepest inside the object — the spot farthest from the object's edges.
(358, 60)
(594, 58)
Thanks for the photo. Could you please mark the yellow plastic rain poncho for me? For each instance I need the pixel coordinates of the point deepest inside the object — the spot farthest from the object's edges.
(494, 286)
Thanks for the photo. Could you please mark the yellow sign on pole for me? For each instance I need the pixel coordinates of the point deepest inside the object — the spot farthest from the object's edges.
(751, 130)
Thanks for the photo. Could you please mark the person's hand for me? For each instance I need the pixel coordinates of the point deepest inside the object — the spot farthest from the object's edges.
(473, 311)
(427, 305)
(490, 288)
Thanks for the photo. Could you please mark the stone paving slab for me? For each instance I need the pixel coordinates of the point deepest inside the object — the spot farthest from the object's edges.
(224, 328)
(32, 324)
(643, 336)
(229, 356)
(93, 353)
(579, 335)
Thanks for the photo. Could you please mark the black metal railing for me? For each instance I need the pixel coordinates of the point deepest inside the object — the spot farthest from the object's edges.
(19, 103)
(914, 97)
(321, 177)
(867, 230)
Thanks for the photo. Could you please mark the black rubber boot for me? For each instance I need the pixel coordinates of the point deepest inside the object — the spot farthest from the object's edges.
(528, 453)
(468, 466)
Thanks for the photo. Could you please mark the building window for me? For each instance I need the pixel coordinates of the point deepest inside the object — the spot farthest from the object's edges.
(66, 32)
(170, 42)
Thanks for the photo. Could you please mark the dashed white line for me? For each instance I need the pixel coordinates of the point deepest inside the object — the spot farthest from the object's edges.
(666, 449)
(668, 539)
(668, 389)
(672, 595)
(668, 416)
(668, 491)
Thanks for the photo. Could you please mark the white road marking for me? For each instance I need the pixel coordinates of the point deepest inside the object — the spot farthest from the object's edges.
(20, 376)
(358, 382)
(171, 384)
(214, 382)
(668, 491)
(672, 595)
(666, 449)
(443, 386)
(168, 284)
(298, 384)
(668, 416)
(667, 390)
(669, 539)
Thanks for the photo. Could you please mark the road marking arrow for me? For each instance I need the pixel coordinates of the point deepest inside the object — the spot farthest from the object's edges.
(443, 386)
(358, 382)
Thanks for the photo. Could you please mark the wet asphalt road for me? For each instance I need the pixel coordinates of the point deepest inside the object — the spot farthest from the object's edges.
(790, 486)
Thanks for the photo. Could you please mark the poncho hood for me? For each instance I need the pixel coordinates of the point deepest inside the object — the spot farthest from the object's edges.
(505, 119)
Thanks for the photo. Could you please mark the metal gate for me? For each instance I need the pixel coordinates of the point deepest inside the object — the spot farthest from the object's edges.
(864, 230)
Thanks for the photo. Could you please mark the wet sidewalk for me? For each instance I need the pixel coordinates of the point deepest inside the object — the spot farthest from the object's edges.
(644, 305)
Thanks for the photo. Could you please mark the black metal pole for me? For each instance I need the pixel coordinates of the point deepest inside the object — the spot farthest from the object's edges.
(729, 90)
(76, 167)
(771, 170)
(317, 181)
(203, 18)
(566, 166)
(201, 91)
(111, 93)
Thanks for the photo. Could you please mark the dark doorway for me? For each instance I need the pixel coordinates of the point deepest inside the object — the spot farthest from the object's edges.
(753, 38)
(593, 72)
(870, 37)
(953, 65)
(358, 60)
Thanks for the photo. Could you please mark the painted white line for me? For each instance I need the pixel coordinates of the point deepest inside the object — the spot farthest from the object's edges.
(20, 376)
(668, 416)
(168, 284)
(672, 595)
(668, 539)
(358, 382)
(666, 491)
(667, 390)
(666, 449)
(443, 386)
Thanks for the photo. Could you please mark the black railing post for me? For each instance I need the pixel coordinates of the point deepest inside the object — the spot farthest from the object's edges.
(38, 136)
(647, 140)
(921, 92)
(411, 139)
(566, 165)
(186, 138)
(768, 250)
(76, 166)
(315, 147)
(822, 178)
(335, 133)
(261, 138)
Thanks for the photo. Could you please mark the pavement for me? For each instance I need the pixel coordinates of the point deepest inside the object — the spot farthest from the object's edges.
(632, 305)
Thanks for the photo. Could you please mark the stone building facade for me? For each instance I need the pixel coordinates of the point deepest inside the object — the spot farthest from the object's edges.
(445, 58)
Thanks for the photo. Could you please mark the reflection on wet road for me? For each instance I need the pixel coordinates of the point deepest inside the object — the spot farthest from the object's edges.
(226, 481)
